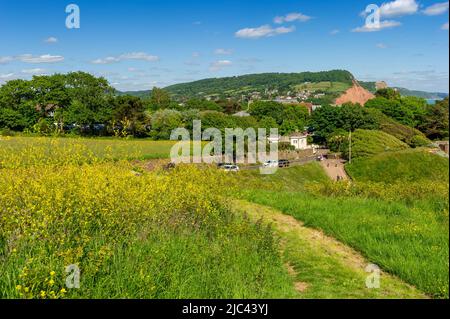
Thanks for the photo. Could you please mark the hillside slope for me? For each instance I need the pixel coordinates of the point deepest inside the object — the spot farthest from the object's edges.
(255, 82)
(407, 166)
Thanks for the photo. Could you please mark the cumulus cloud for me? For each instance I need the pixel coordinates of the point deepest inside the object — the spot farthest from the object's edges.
(387, 24)
(6, 76)
(5, 59)
(34, 71)
(219, 65)
(291, 17)
(46, 58)
(51, 40)
(263, 31)
(142, 56)
(399, 8)
(223, 51)
(436, 9)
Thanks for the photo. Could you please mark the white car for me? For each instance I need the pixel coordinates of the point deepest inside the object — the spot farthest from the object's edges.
(271, 163)
(230, 168)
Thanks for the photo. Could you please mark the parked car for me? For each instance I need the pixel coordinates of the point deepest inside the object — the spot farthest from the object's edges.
(221, 165)
(270, 163)
(230, 168)
(283, 163)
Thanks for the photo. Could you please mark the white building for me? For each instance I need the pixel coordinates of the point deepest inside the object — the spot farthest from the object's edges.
(299, 141)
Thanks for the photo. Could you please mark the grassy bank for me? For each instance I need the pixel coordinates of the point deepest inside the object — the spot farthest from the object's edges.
(402, 228)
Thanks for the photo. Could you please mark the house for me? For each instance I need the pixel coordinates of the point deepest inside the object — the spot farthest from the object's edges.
(299, 141)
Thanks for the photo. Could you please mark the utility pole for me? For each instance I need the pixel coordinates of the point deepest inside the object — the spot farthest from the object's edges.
(350, 147)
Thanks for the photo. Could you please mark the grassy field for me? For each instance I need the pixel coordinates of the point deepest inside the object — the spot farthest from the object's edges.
(45, 151)
(330, 87)
(402, 228)
(138, 233)
(148, 235)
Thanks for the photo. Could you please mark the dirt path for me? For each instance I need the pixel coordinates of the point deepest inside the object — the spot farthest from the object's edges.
(321, 266)
(335, 169)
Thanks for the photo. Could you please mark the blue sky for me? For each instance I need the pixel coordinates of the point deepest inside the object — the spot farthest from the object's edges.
(139, 44)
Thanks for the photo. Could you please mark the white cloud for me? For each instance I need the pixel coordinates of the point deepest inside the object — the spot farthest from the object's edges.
(445, 26)
(334, 32)
(51, 40)
(219, 65)
(291, 17)
(263, 31)
(34, 71)
(5, 59)
(387, 24)
(142, 56)
(106, 60)
(139, 56)
(195, 54)
(399, 8)
(223, 51)
(381, 46)
(6, 76)
(46, 58)
(436, 9)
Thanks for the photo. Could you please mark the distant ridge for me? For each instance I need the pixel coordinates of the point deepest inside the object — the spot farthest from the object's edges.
(262, 81)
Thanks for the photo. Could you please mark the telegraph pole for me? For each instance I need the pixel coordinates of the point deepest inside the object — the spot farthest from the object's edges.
(350, 147)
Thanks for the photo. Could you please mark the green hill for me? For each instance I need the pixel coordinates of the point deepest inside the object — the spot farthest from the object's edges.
(330, 82)
(257, 82)
(408, 166)
(366, 143)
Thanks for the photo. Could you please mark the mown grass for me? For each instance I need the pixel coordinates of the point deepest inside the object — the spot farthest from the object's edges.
(401, 227)
(331, 87)
(322, 267)
(148, 235)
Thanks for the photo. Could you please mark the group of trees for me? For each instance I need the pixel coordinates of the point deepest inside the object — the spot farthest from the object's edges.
(414, 112)
(83, 104)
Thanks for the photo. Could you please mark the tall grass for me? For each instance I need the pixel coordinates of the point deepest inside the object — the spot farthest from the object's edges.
(44, 151)
(148, 235)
